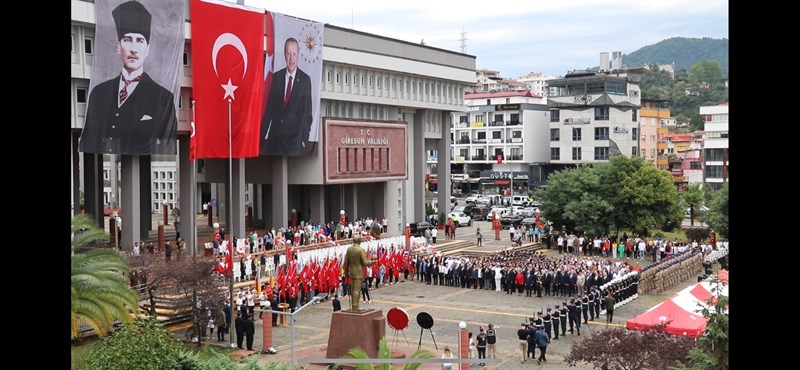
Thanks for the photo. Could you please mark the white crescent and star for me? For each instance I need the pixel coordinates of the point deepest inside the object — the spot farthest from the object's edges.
(232, 40)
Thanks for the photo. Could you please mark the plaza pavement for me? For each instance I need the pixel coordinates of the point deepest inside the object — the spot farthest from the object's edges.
(448, 306)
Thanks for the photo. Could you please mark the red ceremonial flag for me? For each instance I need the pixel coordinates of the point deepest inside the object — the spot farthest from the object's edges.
(228, 58)
(229, 259)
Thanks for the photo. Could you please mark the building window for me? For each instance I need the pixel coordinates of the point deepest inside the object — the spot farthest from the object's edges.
(488, 101)
(498, 118)
(461, 119)
(576, 134)
(555, 154)
(515, 118)
(652, 153)
(496, 134)
(695, 165)
(363, 78)
(338, 77)
(169, 186)
(328, 76)
(482, 135)
(652, 138)
(634, 114)
(713, 155)
(554, 115)
(576, 154)
(163, 175)
(155, 175)
(87, 45)
(81, 95)
(601, 113)
(379, 82)
(644, 151)
(169, 174)
(634, 151)
(634, 133)
(371, 79)
(601, 153)
(555, 134)
(185, 58)
(714, 172)
(601, 133)
(180, 101)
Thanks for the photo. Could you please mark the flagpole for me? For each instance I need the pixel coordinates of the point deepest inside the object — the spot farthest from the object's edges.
(229, 215)
(193, 190)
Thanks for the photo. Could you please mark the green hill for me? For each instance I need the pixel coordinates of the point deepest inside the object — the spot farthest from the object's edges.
(683, 51)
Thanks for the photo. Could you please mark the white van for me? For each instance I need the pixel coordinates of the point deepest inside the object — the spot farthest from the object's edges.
(519, 200)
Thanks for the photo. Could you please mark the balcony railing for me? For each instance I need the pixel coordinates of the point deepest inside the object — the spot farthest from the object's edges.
(463, 141)
(479, 157)
(512, 123)
(479, 141)
(496, 123)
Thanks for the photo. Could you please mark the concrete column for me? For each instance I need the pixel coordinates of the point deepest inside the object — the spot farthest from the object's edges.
(352, 207)
(93, 187)
(280, 192)
(317, 203)
(75, 175)
(379, 203)
(265, 206)
(131, 210)
(237, 206)
(188, 196)
(443, 164)
(392, 207)
(416, 169)
(145, 197)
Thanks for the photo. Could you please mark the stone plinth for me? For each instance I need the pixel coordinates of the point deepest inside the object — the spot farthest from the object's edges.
(350, 329)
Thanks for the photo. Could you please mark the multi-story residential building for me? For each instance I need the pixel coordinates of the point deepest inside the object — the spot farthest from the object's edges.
(405, 92)
(512, 125)
(536, 83)
(650, 116)
(593, 117)
(716, 144)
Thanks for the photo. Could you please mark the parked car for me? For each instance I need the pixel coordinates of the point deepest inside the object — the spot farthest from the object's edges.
(473, 198)
(418, 228)
(460, 218)
(528, 222)
(519, 200)
(480, 212)
(464, 208)
(499, 210)
(529, 212)
(508, 220)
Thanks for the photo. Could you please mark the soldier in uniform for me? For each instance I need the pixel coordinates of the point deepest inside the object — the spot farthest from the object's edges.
(591, 304)
(585, 308)
(556, 317)
(564, 317)
(539, 321)
(547, 320)
(597, 303)
(574, 316)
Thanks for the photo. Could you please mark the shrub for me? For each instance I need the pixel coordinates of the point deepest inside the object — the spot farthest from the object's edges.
(697, 233)
(141, 345)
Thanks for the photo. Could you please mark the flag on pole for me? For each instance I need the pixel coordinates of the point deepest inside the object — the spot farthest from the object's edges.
(228, 59)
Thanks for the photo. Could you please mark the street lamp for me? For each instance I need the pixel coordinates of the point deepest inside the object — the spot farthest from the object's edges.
(160, 234)
(463, 344)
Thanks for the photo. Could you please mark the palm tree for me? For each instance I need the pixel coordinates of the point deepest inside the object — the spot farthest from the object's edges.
(100, 293)
(385, 353)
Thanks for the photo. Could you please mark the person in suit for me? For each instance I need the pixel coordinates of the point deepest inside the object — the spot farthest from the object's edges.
(130, 114)
(286, 124)
(249, 331)
(240, 327)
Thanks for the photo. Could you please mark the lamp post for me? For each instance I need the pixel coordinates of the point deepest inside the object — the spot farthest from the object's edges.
(160, 234)
(294, 218)
(463, 344)
(165, 211)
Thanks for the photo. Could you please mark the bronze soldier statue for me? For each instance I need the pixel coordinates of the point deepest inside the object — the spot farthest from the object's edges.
(354, 264)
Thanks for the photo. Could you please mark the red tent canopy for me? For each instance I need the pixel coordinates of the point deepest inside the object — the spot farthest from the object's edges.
(681, 321)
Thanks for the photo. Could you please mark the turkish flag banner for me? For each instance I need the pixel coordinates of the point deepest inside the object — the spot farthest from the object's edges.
(228, 71)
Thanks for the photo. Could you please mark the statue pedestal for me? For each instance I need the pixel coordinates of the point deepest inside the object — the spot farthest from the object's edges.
(350, 329)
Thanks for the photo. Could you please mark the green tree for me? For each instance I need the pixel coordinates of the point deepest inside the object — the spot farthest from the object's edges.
(717, 215)
(100, 293)
(144, 345)
(708, 72)
(642, 195)
(693, 198)
(385, 353)
(575, 201)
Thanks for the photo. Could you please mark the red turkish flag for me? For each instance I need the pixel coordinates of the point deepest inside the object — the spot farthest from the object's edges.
(228, 59)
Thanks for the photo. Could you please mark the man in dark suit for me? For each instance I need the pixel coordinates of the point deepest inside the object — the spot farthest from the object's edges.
(249, 331)
(239, 326)
(287, 120)
(130, 114)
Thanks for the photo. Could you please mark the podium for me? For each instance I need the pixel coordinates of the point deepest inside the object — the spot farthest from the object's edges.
(351, 329)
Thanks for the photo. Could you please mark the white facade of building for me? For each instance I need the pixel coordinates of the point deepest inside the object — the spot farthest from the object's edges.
(716, 146)
(593, 117)
(536, 82)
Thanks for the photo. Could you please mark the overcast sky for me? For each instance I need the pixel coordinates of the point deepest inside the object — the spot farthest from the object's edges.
(518, 37)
